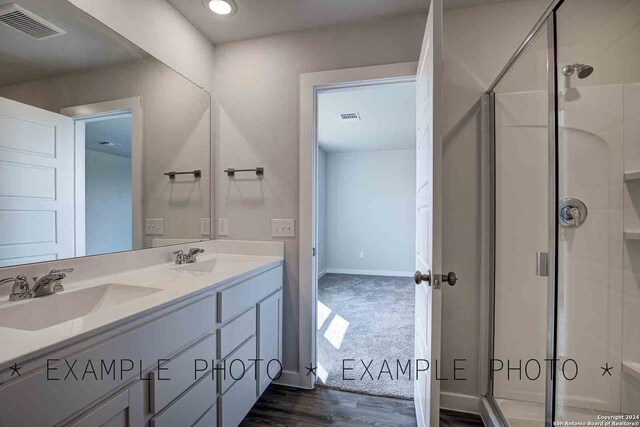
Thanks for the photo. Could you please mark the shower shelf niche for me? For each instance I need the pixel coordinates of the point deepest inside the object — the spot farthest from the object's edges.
(632, 176)
(632, 234)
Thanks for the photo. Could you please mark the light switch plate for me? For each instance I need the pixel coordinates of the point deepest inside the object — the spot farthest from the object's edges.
(283, 228)
(223, 226)
(154, 226)
(205, 226)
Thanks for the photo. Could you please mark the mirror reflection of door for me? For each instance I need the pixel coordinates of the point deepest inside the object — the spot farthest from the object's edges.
(36, 184)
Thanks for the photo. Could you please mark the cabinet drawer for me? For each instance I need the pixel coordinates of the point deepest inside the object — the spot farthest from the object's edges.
(238, 298)
(209, 419)
(236, 403)
(177, 375)
(235, 333)
(190, 406)
(140, 348)
(233, 370)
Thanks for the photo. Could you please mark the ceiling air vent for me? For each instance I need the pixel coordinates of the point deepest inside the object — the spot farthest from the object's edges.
(350, 116)
(108, 143)
(28, 23)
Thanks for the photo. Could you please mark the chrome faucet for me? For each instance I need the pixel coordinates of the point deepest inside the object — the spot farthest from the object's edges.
(49, 283)
(46, 285)
(188, 258)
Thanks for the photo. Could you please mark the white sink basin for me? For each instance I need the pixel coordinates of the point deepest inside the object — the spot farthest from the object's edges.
(210, 265)
(43, 312)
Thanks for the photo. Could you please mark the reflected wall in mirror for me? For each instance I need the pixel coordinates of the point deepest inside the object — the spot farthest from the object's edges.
(89, 125)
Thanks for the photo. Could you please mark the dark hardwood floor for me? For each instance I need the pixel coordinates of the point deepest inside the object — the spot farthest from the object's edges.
(286, 406)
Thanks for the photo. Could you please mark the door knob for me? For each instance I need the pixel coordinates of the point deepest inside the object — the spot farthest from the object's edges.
(419, 277)
(449, 278)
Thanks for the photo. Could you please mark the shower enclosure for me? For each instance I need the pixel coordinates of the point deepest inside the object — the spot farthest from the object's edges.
(563, 246)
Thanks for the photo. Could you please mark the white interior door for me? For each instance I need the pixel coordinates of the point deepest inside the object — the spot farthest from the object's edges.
(429, 218)
(36, 184)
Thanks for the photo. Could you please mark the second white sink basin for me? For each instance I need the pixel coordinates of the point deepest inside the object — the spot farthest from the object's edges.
(43, 312)
(208, 266)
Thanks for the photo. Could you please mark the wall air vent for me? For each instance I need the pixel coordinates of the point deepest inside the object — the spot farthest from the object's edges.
(28, 23)
(350, 116)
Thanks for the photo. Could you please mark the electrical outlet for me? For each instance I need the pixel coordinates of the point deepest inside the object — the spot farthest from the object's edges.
(283, 228)
(205, 227)
(154, 226)
(223, 226)
(361, 255)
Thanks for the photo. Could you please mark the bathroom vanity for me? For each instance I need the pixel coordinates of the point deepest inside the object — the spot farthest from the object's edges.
(105, 171)
(161, 345)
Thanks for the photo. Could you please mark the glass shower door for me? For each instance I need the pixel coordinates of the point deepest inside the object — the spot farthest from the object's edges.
(598, 290)
(521, 234)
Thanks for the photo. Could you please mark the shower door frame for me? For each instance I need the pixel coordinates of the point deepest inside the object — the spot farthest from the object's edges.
(488, 229)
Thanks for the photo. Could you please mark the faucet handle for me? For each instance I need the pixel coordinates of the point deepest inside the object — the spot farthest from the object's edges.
(20, 289)
(178, 256)
(194, 251)
(62, 272)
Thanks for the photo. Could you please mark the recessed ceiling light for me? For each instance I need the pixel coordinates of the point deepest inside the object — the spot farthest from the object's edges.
(222, 7)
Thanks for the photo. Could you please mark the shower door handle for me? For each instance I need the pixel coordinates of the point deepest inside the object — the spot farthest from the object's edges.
(542, 264)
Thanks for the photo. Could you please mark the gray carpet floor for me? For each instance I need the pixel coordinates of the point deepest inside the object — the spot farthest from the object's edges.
(366, 318)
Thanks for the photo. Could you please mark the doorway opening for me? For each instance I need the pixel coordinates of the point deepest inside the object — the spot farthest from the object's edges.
(365, 225)
(108, 176)
(108, 184)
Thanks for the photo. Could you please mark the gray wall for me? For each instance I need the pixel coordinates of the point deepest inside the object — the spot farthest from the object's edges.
(322, 211)
(371, 208)
(256, 95)
(107, 202)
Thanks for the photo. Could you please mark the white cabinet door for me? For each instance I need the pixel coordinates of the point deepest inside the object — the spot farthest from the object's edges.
(125, 409)
(269, 340)
(37, 185)
(429, 105)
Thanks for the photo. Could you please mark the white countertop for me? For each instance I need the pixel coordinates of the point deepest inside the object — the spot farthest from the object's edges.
(175, 283)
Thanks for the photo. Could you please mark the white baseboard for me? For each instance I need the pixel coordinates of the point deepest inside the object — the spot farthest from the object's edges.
(391, 273)
(460, 402)
(290, 378)
(488, 414)
(322, 273)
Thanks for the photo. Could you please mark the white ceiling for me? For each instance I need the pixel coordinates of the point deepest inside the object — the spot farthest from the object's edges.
(114, 130)
(259, 18)
(87, 44)
(387, 118)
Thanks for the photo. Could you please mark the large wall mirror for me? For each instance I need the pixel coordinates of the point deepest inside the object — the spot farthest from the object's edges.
(91, 128)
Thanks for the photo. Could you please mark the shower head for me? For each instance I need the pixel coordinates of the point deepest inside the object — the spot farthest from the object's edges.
(583, 70)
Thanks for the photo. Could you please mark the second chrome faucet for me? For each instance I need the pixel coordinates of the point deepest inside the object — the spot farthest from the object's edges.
(188, 258)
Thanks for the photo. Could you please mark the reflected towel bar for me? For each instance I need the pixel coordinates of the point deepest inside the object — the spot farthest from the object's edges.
(172, 174)
(231, 172)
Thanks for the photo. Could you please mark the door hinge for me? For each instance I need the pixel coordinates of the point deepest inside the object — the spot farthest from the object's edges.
(313, 250)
